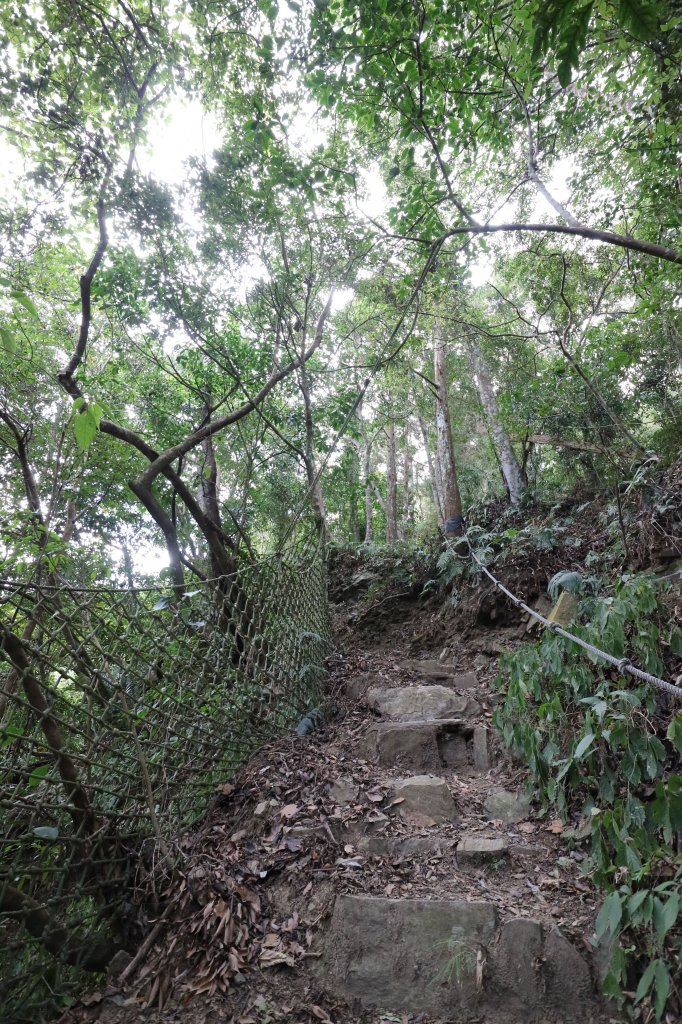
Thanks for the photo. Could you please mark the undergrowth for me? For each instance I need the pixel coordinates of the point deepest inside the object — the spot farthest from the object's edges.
(609, 748)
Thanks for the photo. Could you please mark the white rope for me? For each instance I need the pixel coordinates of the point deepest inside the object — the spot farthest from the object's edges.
(624, 665)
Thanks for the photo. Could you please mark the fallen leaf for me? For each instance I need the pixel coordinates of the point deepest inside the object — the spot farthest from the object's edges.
(289, 811)
(274, 957)
(556, 826)
(526, 826)
(271, 940)
(375, 795)
(225, 789)
(260, 809)
(321, 1014)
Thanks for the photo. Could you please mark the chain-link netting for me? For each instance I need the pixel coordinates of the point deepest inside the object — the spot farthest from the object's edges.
(120, 713)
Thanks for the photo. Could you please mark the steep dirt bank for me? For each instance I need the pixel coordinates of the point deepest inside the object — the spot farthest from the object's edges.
(310, 890)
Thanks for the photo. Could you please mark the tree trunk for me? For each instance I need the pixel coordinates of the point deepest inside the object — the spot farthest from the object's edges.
(452, 501)
(434, 474)
(509, 464)
(407, 490)
(367, 476)
(316, 496)
(391, 486)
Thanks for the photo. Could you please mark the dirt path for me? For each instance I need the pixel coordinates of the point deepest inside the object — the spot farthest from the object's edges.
(388, 868)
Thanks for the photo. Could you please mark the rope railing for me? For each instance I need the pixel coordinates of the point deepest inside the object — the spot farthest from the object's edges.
(624, 665)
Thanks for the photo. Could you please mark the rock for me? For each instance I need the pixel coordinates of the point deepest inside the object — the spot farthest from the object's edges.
(420, 703)
(451, 959)
(356, 688)
(426, 795)
(567, 975)
(565, 610)
(343, 790)
(426, 746)
(409, 955)
(477, 849)
(481, 757)
(515, 964)
(505, 806)
(578, 833)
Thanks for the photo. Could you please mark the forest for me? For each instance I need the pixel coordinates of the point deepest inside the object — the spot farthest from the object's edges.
(312, 305)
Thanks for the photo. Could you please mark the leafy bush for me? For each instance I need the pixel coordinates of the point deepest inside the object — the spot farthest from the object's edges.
(609, 749)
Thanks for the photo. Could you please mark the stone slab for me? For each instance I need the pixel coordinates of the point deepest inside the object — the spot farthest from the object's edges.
(409, 955)
(420, 703)
(405, 846)
(422, 746)
(439, 670)
(453, 959)
(428, 795)
(504, 806)
(481, 751)
(479, 850)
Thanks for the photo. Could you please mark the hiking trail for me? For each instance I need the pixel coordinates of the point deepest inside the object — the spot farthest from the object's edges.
(388, 867)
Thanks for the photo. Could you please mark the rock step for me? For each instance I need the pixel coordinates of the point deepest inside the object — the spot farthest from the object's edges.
(440, 670)
(428, 746)
(456, 959)
(420, 703)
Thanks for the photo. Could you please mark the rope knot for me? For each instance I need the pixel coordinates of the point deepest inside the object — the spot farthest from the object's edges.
(623, 664)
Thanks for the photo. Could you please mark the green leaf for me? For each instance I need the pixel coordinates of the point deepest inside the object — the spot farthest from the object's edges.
(674, 733)
(665, 914)
(584, 745)
(27, 303)
(9, 342)
(645, 982)
(609, 916)
(662, 987)
(85, 428)
(640, 17)
(38, 774)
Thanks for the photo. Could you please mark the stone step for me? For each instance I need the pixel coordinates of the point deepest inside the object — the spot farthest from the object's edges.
(456, 959)
(428, 746)
(439, 670)
(420, 703)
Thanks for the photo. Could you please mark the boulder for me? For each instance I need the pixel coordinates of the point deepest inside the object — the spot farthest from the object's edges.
(504, 806)
(420, 703)
(426, 795)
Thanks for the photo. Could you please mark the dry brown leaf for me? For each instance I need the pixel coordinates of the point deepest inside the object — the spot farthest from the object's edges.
(226, 789)
(274, 957)
(526, 826)
(556, 826)
(271, 940)
(289, 811)
(321, 1014)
